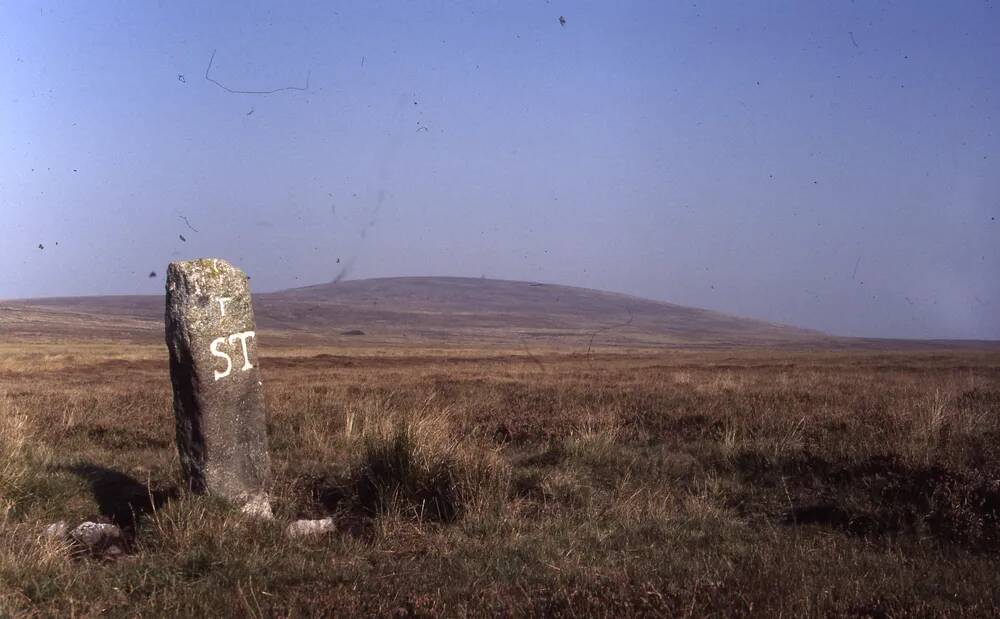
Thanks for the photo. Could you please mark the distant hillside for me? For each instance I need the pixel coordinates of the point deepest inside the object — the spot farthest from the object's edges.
(437, 310)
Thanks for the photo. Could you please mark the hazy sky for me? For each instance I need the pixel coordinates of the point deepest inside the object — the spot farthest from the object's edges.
(833, 165)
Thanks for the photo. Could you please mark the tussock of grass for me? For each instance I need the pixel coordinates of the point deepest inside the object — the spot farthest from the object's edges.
(413, 466)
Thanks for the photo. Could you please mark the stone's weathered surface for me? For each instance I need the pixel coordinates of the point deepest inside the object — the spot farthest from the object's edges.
(218, 396)
(301, 528)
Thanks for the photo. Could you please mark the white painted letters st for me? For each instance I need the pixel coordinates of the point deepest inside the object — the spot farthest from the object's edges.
(242, 337)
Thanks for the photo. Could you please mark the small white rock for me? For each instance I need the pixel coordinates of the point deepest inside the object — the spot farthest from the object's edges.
(96, 534)
(259, 507)
(300, 528)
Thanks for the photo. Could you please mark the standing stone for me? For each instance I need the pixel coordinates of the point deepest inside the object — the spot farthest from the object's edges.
(218, 396)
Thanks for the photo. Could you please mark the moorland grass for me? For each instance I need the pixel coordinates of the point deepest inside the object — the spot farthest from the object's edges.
(683, 484)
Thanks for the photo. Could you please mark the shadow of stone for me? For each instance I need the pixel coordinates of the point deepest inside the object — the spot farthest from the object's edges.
(121, 498)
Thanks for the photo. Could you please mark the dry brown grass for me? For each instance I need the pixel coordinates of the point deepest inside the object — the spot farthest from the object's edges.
(680, 483)
(14, 465)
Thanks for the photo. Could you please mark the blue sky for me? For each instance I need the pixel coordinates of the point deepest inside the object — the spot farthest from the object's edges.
(830, 165)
